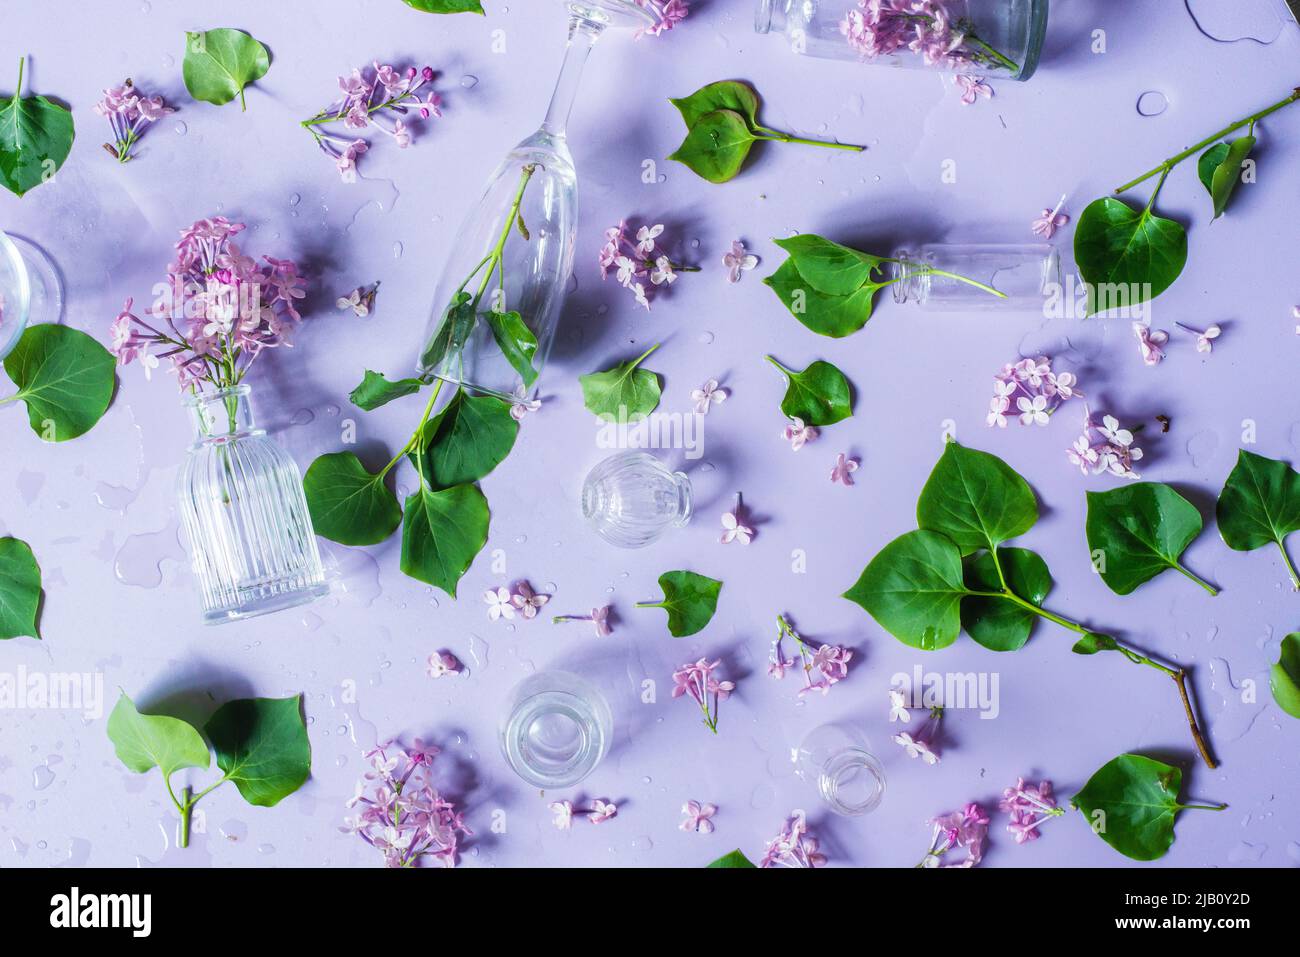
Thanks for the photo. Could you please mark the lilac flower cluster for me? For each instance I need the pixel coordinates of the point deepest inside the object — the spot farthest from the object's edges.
(1034, 390)
(1029, 806)
(667, 14)
(637, 261)
(966, 828)
(1104, 448)
(381, 97)
(128, 112)
(696, 679)
(830, 663)
(794, 846)
(220, 309)
(402, 814)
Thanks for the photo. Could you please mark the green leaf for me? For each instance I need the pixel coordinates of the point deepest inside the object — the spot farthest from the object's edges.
(733, 860)
(144, 741)
(442, 532)
(999, 624)
(1094, 642)
(689, 599)
(1131, 803)
(914, 589)
(1220, 169)
(716, 146)
(220, 63)
(349, 505)
(446, 6)
(820, 395)
(20, 589)
(35, 138)
(1126, 256)
(64, 376)
(516, 341)
(976, 500)
(262, 745)
(457, 323)
(375, 390)
(1284, 677)
(827, 315)
(623, 393)
(829, 267)
(730, 95)
(470, 437)
(1139, 531)
(1260, 503)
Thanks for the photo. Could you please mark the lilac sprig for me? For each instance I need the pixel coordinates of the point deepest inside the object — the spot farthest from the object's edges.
(1029, 806)
(636, 261)
(1030, 389)
(667, 14)
(696, 679)
(830, 663)
(794, 846)
(925, 27)
(129, 112)
(381, 97)
(402, 814)
(1104, 448)
(966, 828)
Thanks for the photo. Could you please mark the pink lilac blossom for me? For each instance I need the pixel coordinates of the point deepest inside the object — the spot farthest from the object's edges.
(1295, 314)
(707, 396)
(733, 528)
(636, 260)
(599, 619)
(822, 666)
(798, 434)
(527, 601)
(1050, 221)
(521, 405)
(360, 300)
(972, 88)
(923, 744)
(1033, 389)
(220, 309)
(698, 817)
(966, 829)
(381, 97)
(667, 14)
(401, 813)
(129, 112)
(601, 811)
(793, 847)
(442, 663)
(1029, 806)
(1149, 341)
(697, 680)
(1204, 340)
(563, 811)
(738, 261)
(1104, 448)
(843, 470)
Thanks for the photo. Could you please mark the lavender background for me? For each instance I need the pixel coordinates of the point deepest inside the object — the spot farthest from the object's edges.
(100, 511)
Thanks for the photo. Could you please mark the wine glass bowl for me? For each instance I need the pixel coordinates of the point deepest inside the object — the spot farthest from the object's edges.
(15, 295)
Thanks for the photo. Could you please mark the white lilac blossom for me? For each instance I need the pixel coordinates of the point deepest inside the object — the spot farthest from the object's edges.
(707, 396)
(733, 528)
(698, 817)
(1033, 389)
(636, 260)
(527, 601)
(1149, 341)
(500, 603)
(601, 811)
(828, 663)
(1204, 340)
(401, 813)
(521, 405)
(599, 619)
(1295, 314)
(442, 663)
(738, 261)
(380, 97)
(798, 434)
(898, 707)
(793, 847)
(563, 811)
(1029, 806)
(129, 112)
(843, 469)
(696, 679)
(923, 744)
(1104, 448)
(360, 300)
(966, 828)
(1050, 221)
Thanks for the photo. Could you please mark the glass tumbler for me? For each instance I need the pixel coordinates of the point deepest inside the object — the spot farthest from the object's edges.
(837, 760)
(1026, 275)
(557, 728)
(631, 499)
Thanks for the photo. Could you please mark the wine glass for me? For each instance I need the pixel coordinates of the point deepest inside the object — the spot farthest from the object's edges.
(30, 290)
(497, 305)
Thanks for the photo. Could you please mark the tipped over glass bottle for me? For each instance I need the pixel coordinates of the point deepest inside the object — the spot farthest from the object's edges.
(1002, 39)
(631, 499)
(836, 760)
(954, 277)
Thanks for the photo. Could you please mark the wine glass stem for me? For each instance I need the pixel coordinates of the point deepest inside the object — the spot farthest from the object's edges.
(583, 34)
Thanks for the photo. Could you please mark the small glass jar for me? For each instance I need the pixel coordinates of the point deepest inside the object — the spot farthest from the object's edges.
(631, 499)
(932, 276)
(836, 759)
(556, 729)
(252, 546)
(999, 38)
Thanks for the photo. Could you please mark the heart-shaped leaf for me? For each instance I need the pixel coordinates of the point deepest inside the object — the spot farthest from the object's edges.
(1094, 642)
(829, 267)
(1131, 803)
(1000, 624)
(716, 146)
(452, 333)
(470, 437)
(976, 500)
(1260, 503)
(689, 599)
(220, 63)
(733, 95)
(1137, 531)
(914, 589)
(144, 741)
(827, 315)
(516, 342)
(820, 394)
(64, 376)
(375, 390)
(262, 746)
(623, 393)
(35, 138)
(1220, 169)
(446, 6)
(1126, 256)
(1284, 677)
(349, 505)
(442, 531)
(733, 860)
(20, 589)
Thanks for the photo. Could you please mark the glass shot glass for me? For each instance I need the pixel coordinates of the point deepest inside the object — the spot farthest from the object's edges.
(836, 760)
(556, 729)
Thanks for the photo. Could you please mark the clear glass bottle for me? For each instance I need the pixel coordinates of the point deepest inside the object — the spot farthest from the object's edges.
(933, 276)
(631, 499)
(556, 729)
(836, 759)
(1002, 39)
(252, 547)
(31, 292)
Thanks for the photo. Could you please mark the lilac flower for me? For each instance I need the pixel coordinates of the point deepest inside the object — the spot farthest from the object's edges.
(898, 706)
(360, 300)
(599, 619)
(500, 603)
(526, 601)
(793, 847)
(1104, 448)
(698, 817)
(1029, 806)
(636, 262)
(1204, 340)
(563, 811)
(738, 261)
(667, 14)
(1295, 314)
(1034, 388)
(1150, 341)
(1050, 221)
(521, 404)
(923, 744)
(916, 747)
(129, 112)
(823, 666)
(798, 434)
(843, 470)
(601, 811)
(1033, 411)
(707, 396)
(966, 828)
(972, 87)
(697, 680)
(732, 528)
(443, 663)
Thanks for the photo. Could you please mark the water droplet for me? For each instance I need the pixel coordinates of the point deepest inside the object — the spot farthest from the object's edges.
(42, 777)
(1202, 446)
(398, 249)
(706, 338)
(1152, 103)
(468, 81)
(295, 199)
(1245, 853)
(303, 417)
(180, 128)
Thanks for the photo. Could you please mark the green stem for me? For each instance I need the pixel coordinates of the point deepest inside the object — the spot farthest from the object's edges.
(645, 355)
(243, 106)
(780, 368)
(22, 61)
(777, 136)
(1290, 567)
(415, 440)
(1160, 183)
(991, 51)
(1202, 807)
(1177, 158)
(1200, 581)
(922, 269)
(494, 257)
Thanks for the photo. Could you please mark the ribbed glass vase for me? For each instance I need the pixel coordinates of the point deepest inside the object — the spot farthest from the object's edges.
(252, 547)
